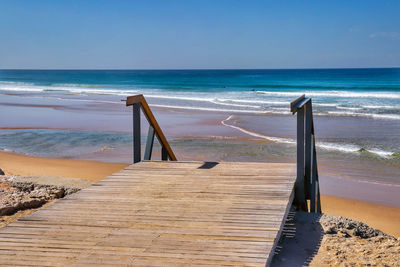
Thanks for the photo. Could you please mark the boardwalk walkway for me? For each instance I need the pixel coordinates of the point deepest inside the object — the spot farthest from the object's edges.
(160, 214)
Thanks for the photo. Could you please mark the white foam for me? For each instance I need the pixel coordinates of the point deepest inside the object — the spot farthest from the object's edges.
(258, 101)
(201, 99)
(324, 104)
(368, 115)
(220, 102)
(283, 110)
(210, 109)
(274, 139)
(385, 116)
(27, 87)
(348, 108)
(20, 88)
(347, 148)
(255, 106)
(382, 153)
(380, 107)
(341, 94)
(216, 100)
(90, 100)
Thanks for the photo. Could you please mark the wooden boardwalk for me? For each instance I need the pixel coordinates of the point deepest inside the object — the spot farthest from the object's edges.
(160, 214)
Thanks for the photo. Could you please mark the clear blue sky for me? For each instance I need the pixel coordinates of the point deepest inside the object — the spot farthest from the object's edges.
(199, 34)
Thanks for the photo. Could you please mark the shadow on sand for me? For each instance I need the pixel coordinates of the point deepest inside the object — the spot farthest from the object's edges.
(300, 240)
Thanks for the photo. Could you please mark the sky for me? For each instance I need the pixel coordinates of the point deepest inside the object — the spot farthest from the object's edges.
(202, 34)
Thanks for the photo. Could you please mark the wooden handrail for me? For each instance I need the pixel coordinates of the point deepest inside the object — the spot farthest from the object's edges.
(307, 182)
(139, 102)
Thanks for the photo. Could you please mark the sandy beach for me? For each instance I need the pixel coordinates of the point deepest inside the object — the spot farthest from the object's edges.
(384, 218)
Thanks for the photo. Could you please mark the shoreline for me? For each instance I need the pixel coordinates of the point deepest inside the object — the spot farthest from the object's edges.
(382, 217)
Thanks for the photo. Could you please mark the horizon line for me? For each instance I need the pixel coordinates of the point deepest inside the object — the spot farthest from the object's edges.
(155, 69)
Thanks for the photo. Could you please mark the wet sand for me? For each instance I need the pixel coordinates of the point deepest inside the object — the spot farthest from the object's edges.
(19, 165)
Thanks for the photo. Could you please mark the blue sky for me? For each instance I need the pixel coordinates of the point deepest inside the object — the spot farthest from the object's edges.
(184, 34)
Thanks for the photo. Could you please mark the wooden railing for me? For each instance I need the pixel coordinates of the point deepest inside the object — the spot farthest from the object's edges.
(307, 183)
(139, 103)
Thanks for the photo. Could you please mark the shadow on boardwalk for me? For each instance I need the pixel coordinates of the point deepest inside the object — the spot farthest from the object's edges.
(300, 240)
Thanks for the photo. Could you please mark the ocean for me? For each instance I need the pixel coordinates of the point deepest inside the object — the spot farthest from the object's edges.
(371, 93)
(357, 93)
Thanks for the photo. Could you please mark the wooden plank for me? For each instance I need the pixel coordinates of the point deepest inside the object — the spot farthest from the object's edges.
(160, 213)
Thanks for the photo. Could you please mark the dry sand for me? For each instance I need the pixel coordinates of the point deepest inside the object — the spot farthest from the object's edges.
(386, 219)
(326, 240)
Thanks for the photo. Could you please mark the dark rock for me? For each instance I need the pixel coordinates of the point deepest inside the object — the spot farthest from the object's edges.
(7, 210)
(331, 230)
(21, 195)
(347, 227)
(1, 172)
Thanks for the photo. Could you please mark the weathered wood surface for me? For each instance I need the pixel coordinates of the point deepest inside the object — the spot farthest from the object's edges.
(160, 214)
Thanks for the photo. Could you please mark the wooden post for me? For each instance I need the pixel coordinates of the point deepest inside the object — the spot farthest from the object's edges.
(307, 183)
(315, 180)
(299, 190)
(149, 143)
(313, 177)
(319, 210)
(164, 154)
(308, 151)
(136, 133)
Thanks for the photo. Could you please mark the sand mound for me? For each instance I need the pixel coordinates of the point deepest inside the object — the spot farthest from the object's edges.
(325, 240)
(31, 192)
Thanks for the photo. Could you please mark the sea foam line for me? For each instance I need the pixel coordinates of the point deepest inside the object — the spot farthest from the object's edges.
(217, 101)
(83, 90)
(220, 101)
(342, 94)
(200, 99)
(380, 107)
(211, 109)
(257, 101)
(274, 139)
(368, 115)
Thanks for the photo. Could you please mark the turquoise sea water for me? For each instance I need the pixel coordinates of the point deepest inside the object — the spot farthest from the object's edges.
(369, 96)
(371, 93)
